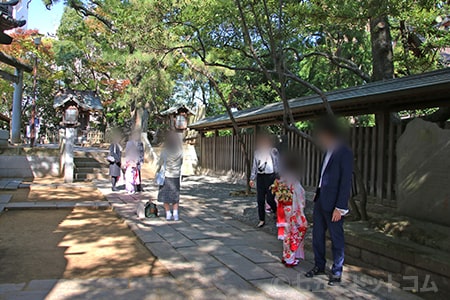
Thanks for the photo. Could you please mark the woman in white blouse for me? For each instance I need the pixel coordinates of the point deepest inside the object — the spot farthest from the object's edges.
(265, 169)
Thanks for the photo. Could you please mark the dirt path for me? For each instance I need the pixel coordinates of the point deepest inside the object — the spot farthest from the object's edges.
(54, 189)
(79, 243)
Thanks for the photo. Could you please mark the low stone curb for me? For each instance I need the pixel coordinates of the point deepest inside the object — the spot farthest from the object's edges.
(54, 205)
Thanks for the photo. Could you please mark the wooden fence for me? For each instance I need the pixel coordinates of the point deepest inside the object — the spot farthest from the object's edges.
(373, 148)
(223, 153)
(94, 136)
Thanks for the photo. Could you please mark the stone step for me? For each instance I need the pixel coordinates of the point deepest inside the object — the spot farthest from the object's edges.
(92, 170)
(98, 154)
(90, 176)
(89, 164)
(86, 159)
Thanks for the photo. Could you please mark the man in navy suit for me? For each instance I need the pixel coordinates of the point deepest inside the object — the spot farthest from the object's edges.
(331, 200)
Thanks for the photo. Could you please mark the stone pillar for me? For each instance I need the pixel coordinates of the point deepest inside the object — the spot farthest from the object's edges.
(68, 154)
(423, 164)
(17, 108)
(62, 145)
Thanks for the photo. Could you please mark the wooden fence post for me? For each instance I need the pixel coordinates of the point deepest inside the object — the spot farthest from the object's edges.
(214, 163)
(382, 123)
(233, 150)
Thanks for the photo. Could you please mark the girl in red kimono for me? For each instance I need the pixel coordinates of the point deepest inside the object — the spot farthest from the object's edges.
(291, 220)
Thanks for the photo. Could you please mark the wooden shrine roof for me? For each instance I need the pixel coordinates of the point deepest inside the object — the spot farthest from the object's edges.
(426, 90)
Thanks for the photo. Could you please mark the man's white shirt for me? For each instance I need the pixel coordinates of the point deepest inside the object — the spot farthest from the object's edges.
(265, 162)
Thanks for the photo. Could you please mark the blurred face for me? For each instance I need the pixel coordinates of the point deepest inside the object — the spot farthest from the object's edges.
(264, 142)
(326, 140)
(136, 136)
(116, 138)
(173, 140)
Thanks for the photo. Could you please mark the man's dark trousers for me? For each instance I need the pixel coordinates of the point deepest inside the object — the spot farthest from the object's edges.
(322, 223)
(334, 192)
(263, 194)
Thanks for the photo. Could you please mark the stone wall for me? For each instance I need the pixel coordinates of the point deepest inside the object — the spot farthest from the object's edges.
(423, 172)
(402, 262)
(29, 167)
(4, 136)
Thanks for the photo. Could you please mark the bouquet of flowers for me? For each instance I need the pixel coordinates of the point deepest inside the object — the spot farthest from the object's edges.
(283, 193)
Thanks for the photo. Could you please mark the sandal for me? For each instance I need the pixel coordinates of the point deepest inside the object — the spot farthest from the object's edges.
(295, 263)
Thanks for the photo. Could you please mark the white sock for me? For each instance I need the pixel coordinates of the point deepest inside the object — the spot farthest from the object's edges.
(175, 214)
(168, 215)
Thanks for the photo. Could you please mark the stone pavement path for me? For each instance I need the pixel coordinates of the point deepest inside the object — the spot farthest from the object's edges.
(220, 257)
(209, 255)
(10, 183)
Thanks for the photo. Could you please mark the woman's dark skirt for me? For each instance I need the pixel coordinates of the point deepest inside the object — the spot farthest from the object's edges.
(114, 169)
(170, 191)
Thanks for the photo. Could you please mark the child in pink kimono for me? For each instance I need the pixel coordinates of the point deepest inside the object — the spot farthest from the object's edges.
(291, 220)
(131, 173)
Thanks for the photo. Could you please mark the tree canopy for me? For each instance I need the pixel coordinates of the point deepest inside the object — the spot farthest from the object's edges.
(142, 56)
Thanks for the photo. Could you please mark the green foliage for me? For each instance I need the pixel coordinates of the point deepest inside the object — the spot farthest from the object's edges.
(225, 132)
(209, 134)
(364, 120)
(129, 51)
(304, 125)
(47, 76)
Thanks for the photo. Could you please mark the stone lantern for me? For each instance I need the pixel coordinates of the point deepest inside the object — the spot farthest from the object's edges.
(177, 117)
(70, 118)
(76, 107)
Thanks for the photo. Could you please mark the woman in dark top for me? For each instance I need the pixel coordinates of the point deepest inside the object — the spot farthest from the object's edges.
(115, 157)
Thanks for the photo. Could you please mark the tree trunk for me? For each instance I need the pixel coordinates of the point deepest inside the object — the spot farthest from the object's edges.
(362, 191)
(225, 103)
(382, 53)
(137, 124)
(140, 117)
(354, 209)
(404, 38)
(382, 69)
(144, 119)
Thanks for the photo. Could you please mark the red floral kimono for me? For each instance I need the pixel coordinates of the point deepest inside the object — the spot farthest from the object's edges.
(291, 222)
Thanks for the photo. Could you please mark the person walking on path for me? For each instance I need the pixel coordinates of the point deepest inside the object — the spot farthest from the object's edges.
(115, 161)
(331, 199)
(291, 220)
(136, 146)
(264, 170)
(170, 162)
(131, 172)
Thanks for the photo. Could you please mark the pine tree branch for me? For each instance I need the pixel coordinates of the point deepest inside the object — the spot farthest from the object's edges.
(79, 7)
(338, 61)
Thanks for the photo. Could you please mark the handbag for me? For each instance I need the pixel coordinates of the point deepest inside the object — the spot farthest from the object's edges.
(160, 176)
(111, 158)
(151, 210)
(146, 210)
